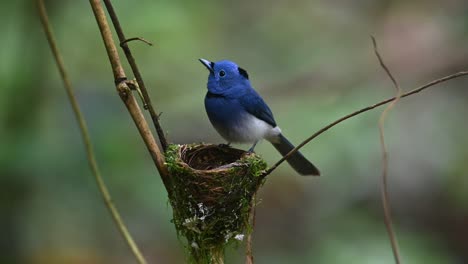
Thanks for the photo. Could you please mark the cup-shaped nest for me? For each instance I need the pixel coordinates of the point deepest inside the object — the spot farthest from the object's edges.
(212, 190)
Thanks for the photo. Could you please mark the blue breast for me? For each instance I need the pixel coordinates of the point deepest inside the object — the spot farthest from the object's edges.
(225, 114)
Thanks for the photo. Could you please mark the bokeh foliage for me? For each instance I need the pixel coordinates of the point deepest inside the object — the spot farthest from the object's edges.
(311, 60)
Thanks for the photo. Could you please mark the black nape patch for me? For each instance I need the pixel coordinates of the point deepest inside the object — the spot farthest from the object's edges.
(243, 72)
(212, 65)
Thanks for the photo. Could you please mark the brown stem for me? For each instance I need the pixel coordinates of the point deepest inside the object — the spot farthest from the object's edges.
(114, 59)
(127, 96)
(384, 185)
(249, 258)
(365, 109)
(85, 136)
(136, 72)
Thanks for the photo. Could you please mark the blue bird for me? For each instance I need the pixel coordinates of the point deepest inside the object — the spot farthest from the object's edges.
(240, 115)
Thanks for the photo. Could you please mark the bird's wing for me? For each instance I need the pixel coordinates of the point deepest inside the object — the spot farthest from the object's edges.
(254, 104)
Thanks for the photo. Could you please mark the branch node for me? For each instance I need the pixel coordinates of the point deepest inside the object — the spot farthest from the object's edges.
(133, 85)
(119, 80)
(123, 89)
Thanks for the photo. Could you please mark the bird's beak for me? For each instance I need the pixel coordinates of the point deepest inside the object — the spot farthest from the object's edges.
(208, 64)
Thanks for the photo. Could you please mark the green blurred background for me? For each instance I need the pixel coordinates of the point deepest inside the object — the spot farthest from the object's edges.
(312, 61)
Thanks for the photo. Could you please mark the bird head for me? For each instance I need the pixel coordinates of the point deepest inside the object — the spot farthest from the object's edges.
(225, 76)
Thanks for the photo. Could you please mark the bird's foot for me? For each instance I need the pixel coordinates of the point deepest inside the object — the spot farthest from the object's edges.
(251, 149)
(225, 145)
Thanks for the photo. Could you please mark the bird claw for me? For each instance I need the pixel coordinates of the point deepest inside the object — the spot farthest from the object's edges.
(251, 149)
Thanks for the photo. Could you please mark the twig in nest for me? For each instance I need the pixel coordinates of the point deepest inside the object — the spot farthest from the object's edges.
(384, 185)
(86, 138)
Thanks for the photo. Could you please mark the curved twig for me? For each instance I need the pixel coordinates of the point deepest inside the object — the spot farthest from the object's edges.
(384, 185)
(136, 38)
(365, 109)
(86, 138)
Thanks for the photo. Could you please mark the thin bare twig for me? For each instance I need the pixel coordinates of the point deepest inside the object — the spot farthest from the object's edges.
(85, 136)
(386, 69)
(136, 38)
(127, 96)
(131, 60)
(384, 185)
(365, 109)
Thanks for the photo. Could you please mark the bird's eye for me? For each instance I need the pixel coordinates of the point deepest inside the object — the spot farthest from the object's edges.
(222, 73)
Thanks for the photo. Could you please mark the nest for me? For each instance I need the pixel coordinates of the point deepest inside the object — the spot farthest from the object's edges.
(212, 189)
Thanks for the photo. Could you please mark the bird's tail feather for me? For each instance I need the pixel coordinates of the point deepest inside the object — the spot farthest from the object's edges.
(297, 161)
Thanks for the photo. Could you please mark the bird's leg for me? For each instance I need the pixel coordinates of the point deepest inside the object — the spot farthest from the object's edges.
(251, 149)
(225, 145)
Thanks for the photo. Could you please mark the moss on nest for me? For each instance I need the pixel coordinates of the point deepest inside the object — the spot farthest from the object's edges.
(212, 189)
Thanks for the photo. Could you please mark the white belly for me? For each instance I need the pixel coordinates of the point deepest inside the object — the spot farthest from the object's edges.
(249, 130)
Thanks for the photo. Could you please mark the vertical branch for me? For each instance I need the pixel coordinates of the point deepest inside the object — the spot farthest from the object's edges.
(126, 94)
(384, 185)
(86, 138)
(249, 258)
(131, 60)
(117, 69)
